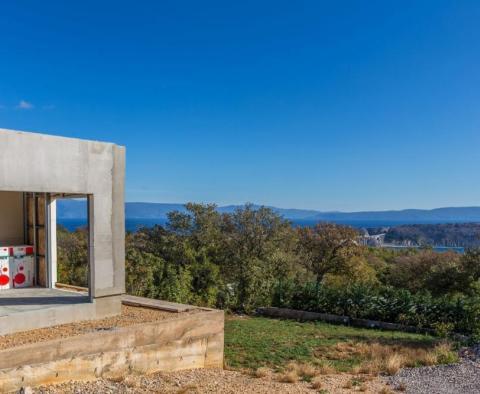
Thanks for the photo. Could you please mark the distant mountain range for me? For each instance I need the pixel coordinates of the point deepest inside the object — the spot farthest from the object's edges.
(75, 209)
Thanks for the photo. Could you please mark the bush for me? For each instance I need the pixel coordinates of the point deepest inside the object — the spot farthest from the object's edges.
(459, 313)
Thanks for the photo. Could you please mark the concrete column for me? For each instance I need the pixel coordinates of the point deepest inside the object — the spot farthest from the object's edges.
(52, 241)
(91, 247)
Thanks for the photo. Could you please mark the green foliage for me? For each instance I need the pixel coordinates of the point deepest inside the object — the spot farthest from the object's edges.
(253, 257)
(426, 270)
(141, 269)
(442, 329)
(204, 283)
(72, 257)
(384, 303)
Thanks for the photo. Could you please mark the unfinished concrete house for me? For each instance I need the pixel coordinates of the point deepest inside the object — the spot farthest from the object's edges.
(36, 171)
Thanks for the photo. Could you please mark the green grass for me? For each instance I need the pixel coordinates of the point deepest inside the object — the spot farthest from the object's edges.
(253, 342)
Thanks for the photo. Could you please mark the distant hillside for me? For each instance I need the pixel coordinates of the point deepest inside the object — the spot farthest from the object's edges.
(75, 209)
(293, 214)
(458, 214)
(465, 235)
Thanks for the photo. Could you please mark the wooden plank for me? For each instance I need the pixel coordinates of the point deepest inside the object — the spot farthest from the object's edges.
(42, 271)
(81, 289)
(41, 210)
(30, 211)
(156, 304)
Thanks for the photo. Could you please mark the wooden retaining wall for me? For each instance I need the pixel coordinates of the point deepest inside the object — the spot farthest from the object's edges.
(189, 341)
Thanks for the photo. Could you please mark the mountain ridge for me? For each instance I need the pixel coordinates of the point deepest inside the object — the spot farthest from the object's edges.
(76, 209)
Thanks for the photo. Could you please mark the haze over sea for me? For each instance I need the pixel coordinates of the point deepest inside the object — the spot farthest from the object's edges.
(134, 224)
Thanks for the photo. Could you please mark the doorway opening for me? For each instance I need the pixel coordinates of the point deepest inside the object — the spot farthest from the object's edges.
(72, 243)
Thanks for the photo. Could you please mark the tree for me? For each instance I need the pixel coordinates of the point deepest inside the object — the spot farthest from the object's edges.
(72, 256)
(141, 269)
(426, 270)
(257, 246)
(328, 248)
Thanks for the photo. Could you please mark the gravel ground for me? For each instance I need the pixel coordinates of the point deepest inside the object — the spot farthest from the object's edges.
(462, 377)
(211, 381)
(131, 315)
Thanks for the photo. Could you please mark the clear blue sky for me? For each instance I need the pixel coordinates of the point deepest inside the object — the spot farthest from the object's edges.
(338, 105)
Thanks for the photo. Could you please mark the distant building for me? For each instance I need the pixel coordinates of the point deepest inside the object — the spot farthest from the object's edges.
(372, 240)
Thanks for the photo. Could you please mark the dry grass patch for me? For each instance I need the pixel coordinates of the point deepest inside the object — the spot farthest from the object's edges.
(430, 359)
(326, 368)
(130, 381)
(393, 363)
(303, 370)
(306, 370)
(288, 377)
(376, 357)
(261, 372)
(356, 383)
(117, 379)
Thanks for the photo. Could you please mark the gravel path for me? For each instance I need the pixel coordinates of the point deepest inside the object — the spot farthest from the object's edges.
(462, 377)
(211, 381)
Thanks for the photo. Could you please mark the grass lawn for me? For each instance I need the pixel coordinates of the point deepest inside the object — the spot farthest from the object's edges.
(255, 342)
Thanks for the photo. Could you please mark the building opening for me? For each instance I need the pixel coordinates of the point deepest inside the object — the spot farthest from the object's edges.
(72, 240)
(40, 246)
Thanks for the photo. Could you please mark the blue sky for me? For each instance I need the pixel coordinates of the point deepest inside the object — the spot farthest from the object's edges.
(348, 105)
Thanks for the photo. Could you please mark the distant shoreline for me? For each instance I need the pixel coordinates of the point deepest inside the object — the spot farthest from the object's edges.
(132, 225)
(458, 249)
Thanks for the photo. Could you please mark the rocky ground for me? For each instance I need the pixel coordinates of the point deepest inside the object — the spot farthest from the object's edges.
(462, 377)
(219, 381)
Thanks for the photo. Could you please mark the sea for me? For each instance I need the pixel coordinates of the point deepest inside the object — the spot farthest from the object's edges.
(133, 225)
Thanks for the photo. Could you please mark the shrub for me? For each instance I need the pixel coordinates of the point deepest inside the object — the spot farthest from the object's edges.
(448, 313)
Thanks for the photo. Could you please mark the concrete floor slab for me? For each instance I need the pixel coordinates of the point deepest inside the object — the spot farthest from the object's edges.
(29, 299)
(30, 308)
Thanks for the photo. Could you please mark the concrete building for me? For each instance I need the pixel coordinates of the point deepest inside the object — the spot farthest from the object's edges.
(35, 171)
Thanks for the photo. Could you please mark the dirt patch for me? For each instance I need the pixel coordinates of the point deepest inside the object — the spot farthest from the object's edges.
(130, 316)
(219, 381)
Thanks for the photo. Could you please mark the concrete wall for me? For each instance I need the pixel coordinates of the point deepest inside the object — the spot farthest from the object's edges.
(41, 163)
(184, 342)
(11, 218)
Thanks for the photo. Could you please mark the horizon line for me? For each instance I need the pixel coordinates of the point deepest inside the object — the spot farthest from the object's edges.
(306, 209)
